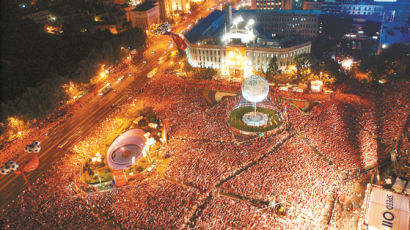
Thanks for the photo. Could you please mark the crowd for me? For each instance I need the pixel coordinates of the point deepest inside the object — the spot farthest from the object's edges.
(293, 173)
(393, 107)
(226, 213)
(205, 161)
(153, 203)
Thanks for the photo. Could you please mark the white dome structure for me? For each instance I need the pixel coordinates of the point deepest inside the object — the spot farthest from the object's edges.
(255, 88)
(125, 149)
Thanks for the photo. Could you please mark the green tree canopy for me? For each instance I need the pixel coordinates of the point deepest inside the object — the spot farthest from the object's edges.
(391, 64)
(273, 67)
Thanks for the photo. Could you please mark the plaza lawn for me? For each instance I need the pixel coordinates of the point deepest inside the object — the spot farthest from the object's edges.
(235, 119)
(92, 178)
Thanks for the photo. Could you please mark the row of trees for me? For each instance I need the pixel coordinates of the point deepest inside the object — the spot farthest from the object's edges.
(392, 64)
(44, 96)
(36, 65)
(306, 67)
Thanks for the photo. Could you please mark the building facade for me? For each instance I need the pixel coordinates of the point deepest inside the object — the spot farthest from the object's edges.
(239, 60)
(361, 9)
(145, 15)
(229, 41)
(271, 4)
(171, 8)
(304, 23)
(308, 5)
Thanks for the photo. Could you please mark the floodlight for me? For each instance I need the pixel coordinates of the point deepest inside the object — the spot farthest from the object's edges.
(251, 22)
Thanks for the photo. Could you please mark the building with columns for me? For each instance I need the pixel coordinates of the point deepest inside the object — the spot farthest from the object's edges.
(235, 43)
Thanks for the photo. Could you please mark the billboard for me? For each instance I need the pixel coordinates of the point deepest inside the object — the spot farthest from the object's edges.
(387, 210)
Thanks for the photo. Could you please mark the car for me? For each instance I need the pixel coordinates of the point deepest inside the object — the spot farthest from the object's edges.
(152, 52)
(145, 61)
(113, 105)
(62, 144)
(121, 78)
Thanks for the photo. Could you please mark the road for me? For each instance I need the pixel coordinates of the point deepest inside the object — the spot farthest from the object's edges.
(58, 141)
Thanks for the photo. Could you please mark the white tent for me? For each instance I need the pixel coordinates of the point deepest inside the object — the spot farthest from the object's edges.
(316, 86)
(387, 210)
(399, 185)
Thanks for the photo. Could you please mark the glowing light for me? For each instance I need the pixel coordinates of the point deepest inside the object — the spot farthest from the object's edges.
(237, 20)
(251, 22)
(347, 63)
(291, 69)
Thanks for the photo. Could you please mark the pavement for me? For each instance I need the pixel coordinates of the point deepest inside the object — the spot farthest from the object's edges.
(60, 139)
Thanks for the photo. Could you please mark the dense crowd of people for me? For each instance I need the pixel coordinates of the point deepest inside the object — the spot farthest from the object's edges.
(302, 167)
(293, 174)
(223, 212)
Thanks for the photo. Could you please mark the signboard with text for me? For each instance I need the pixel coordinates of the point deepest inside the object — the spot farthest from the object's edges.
(388, 210)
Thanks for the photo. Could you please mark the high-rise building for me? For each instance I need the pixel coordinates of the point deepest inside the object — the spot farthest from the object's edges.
(312, 5)
(303, 23)
(272, 4)
(171, 8)
(144, 15)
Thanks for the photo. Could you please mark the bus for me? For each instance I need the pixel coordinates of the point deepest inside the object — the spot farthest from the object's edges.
(152, 73)
(104, 90)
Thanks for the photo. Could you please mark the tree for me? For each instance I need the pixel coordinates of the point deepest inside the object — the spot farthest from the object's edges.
(304, 61)
(273, 67)
(391, 64)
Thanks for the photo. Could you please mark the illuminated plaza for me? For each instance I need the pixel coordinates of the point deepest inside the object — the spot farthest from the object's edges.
(222, 117)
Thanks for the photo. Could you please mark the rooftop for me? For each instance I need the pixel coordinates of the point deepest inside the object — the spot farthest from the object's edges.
(145, 6)
(278, 11)
(215, 28)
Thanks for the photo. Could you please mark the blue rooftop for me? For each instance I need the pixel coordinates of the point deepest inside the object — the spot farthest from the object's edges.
(200, 30)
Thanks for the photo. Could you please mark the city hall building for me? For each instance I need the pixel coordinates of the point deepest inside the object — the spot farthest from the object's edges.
(240, 43)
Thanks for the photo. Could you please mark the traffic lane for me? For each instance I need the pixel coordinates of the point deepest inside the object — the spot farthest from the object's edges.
(47, 159)
(70, 128)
